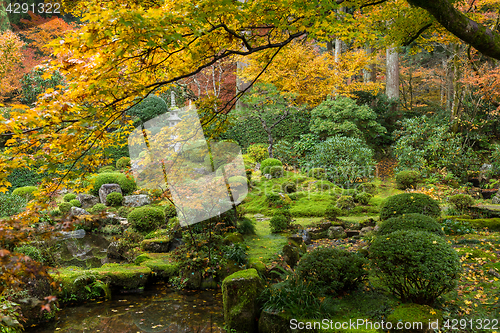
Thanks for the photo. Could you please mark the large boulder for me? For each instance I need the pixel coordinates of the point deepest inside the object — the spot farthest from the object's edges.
(496, 199)
(156, 245)
(239, 293)
(270, 322)
(336, 232)
(87, 200)
(107, 189)
(136, 200)
(76, 211)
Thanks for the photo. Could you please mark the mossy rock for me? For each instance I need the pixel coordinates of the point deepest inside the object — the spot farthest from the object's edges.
(259, 266)
(233, 237)
(239, 293)
(413, 313)
(162, 267)
(126, 276)
(270, 322)
(156, 245)
(492, 224)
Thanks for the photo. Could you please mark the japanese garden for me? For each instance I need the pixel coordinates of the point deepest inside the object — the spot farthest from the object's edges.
(249, 166)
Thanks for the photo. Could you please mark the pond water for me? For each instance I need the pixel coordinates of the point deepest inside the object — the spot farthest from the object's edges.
(158, 309)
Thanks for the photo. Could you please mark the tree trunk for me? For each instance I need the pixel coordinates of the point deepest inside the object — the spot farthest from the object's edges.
(370, 73)
(392, 74)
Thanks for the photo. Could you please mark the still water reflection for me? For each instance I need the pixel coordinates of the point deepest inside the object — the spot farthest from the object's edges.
(158, 309)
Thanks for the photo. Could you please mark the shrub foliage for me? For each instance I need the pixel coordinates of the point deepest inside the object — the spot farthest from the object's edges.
(407, 203)
(414, 221)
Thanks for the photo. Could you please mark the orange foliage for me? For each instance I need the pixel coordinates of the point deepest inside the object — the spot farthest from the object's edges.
(10, 58)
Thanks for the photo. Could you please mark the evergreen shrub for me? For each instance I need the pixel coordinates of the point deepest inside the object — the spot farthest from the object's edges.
(407, 203)
(146, 218)
(407, 179)
(413, 221)
(114, 199)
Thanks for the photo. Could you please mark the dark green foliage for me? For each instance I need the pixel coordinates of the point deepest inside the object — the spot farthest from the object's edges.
(75, 203)
(362, 197)
(368, 188)
(318, 173)
(461, 201)
(24, 177)
(342, 116)
(455, 227)
(407, 179)
(170, 211)
(127, 184)
(416, 266)
(11, 204)
(289, 187)
(423, 143)
(345, 202)
(236, 252)
(294, 296)
(275, 200)
(332, 270)
(407, 203)
(123, 162)
(97, 208)
(108, 168)
(246, 226)
(414, 221)
(147, 109)
(345, 160)
(146, 218)
(64, 207)
(258, 152)
(69, 196)
(285, 152)
(25, 191)
(33, 84)
(278, 223)
(332, 212)
(267, 165)
(114, 199)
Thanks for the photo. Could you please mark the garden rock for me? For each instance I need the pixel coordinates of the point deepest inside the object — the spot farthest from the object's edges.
(496, 199)
(494, 273)
(336, 232)
(257, 167)
(352, 233)
(291, 254)
(156, 245)
(268, 176)
(80, 233)
(239, 293)
(115, 219)
(114, 251)
(201, 171)
(270, 322)
(306, 237)
(365, 231)
(87, 200)
(76, 211)
(136, 200)
(107, 189)
(175, 243)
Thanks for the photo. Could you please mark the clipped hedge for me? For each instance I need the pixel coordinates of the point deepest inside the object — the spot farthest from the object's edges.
(123, 162)
(267, 165)
(127, 184)
(69, 196)
(114, 199)
(407, 203)
(407, 179)
(414, 221)
(25, 191)
(146, 218)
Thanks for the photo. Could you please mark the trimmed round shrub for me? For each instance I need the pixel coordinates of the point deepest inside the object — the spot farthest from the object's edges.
(127, 184)
(123, 162)
(407, 179)
(332, 270)
(318, 173)
(461, 201)
(108, 168)
(26, 192)
(278, 223)
(332, 212)
(97, 208)
(345, 202)
(11, 204)
(75, 203)
(289, 187)
(415, 221)
(362, 197)
(258, 152)
(69, 196)
(146, 218)
(65, 207)
(268, 163)
(407, 203)
(170, 211)
(416, 266)
(114, 199)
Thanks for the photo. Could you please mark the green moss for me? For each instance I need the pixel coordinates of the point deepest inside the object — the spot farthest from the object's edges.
(312, 205)
(264, 246)
(127, 276)
(492, 224)
(244, 274)
(410, 312)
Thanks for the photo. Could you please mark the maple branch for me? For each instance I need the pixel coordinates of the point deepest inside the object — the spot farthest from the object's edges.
(417, 34)
(372, 4)
(484, 40)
